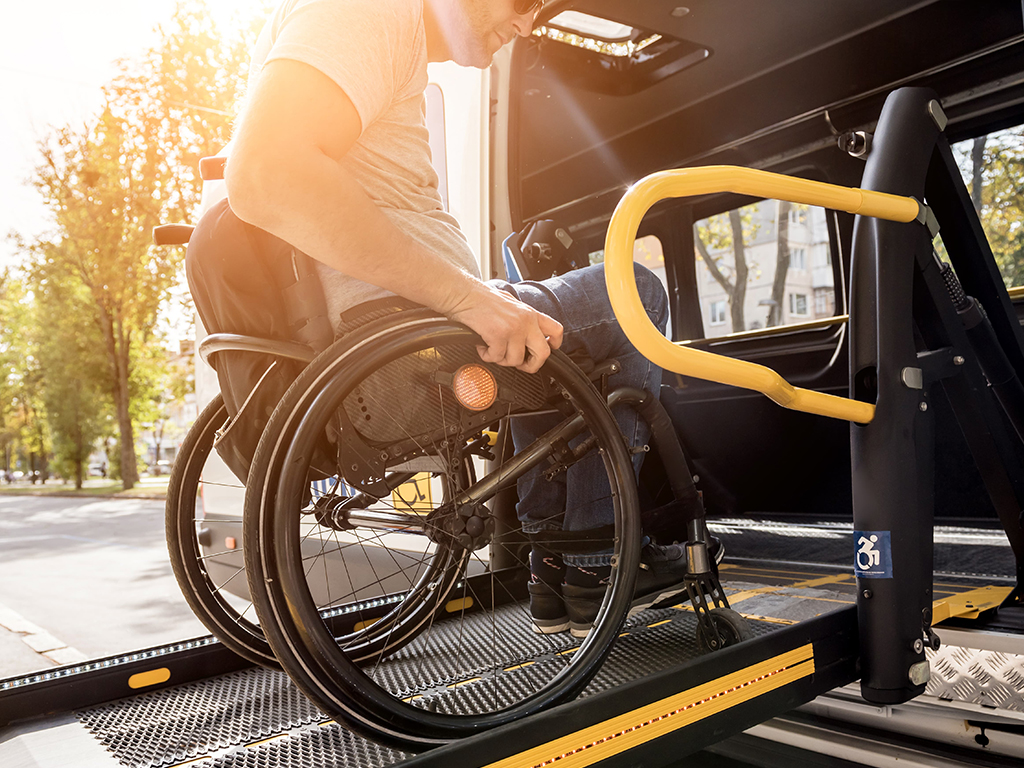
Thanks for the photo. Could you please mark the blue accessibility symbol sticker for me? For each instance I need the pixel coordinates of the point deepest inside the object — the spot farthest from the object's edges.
(872, 558)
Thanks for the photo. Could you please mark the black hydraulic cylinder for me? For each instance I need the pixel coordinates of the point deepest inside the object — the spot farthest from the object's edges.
(1002, 379)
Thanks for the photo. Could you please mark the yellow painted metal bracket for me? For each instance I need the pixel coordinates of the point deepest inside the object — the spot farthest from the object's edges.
(629, 310)
(969, 605)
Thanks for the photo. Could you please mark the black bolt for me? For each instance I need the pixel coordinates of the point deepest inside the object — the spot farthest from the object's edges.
(866, 594)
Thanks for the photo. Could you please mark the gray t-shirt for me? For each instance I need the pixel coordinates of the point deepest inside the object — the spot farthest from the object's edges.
(376, 51)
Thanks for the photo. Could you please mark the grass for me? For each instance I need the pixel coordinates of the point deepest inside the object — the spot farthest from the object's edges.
(147, 487)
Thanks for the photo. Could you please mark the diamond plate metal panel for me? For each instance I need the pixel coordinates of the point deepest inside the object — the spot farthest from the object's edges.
(986, 678)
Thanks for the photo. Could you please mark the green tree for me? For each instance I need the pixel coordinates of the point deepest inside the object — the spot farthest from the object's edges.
(183, 95)
(69, 349)
(22, 425)
(133, 167)
(8, 368)
(993, 169)
(103, 189)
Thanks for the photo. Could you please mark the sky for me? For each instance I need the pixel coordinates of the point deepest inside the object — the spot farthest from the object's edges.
(55, 56)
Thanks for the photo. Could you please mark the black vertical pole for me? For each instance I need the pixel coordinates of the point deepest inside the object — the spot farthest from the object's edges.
(893, 456)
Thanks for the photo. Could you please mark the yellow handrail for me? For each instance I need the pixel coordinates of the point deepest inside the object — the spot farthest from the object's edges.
(629, 310)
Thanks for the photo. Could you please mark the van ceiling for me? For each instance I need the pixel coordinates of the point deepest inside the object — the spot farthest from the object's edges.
(775, 67)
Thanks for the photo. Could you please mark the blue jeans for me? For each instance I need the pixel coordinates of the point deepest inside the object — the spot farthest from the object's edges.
(579, 499)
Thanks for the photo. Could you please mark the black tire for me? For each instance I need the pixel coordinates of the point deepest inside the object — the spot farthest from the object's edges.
(730, 626)
(343, 672)
(211, 577)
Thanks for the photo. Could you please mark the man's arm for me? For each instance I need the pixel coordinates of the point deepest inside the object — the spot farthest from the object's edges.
(285, 176)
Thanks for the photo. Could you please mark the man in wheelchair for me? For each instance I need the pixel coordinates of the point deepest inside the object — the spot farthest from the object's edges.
(331, 157)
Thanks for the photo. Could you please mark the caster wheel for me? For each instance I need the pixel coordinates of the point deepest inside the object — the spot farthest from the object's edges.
(731, 629)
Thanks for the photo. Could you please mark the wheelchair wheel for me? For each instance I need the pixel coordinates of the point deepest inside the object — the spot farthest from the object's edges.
(381, 605)
(203, 515)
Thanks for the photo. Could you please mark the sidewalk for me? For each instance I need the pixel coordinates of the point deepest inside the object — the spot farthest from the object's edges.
(95, 487)
(25, 647)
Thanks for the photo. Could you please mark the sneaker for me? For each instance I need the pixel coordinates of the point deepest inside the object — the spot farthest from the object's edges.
(547, 608)
(662, 576)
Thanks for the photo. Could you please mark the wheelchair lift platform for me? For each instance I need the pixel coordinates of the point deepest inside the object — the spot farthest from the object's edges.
(655, 700)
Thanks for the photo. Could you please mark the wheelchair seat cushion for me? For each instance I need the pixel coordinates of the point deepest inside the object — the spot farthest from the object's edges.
(244, 280)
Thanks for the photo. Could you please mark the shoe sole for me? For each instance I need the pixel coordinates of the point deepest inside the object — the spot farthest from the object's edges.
(550, 629)
(643, 604)
(578, 631)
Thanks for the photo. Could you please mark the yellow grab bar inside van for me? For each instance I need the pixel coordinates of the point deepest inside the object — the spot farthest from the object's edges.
(629, 310)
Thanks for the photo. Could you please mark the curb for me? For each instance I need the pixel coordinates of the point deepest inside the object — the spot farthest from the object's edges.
(72, 495)
(38, 639)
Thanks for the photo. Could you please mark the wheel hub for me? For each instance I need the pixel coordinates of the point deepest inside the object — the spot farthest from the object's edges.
(471, 525)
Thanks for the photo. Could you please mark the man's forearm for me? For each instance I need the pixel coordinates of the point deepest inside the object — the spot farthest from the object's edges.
(320, 209)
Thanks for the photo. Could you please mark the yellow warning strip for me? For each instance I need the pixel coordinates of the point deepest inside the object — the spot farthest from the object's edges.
(839, 578)
(520, 665)
(969, 605)
(739, 597)
(848, 601)
(738, 570)
(958, 588)
(465, 682)
(770, 619)
(753, 616)
(630, 730)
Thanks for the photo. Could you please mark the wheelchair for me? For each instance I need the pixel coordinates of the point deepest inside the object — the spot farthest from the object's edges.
(379, 543)
(369, 540)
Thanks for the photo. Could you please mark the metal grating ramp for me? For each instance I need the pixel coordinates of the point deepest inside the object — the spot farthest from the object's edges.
(256, 718)
(179, 724)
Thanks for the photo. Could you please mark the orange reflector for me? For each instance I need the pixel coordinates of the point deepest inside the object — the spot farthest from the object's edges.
(475, 387)
(230, 543)
(460, 604)
(153, 677)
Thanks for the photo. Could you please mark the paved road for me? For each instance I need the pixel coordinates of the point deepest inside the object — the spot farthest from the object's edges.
(84, 578)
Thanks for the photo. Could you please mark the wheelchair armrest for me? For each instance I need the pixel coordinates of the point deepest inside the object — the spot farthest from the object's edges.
(224, 342)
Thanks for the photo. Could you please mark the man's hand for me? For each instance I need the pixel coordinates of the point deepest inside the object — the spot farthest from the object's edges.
(514, 333)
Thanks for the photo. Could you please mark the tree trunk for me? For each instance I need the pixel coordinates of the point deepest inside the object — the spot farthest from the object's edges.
(118, 352)
(129, 467)
(978, 165)
(739, 292)
(79, 449)
(781, 265)
(158, 439)
(44, 461)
